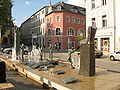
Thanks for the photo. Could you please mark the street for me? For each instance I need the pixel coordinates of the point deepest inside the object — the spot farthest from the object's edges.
(105, 62)
(102, 62)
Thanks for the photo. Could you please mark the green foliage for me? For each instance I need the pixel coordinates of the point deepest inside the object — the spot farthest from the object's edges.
(79, 38)
(77, 50)
(5, 15)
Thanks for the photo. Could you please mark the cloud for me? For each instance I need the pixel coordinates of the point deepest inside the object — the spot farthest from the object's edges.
(80, 3)
(28, 3)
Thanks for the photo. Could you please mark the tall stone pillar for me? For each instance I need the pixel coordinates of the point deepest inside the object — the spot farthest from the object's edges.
(87, 54)
(87, 60)
(16, 48)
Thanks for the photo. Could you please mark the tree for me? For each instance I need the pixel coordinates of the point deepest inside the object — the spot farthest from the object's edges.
(5, 15)
(79, 38)
(6, 22)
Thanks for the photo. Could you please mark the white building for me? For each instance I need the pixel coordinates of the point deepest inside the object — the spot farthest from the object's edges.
(105, 14)
(38, 25)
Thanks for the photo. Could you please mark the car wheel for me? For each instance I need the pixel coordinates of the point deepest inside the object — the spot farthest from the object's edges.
(10, 52)
(112, 58)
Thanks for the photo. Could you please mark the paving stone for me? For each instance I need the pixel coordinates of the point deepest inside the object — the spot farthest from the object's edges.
(58, 72)
(25, 62)
(60, 64)
(30, 64)
(35, 66)
(54, 62)
(68, 80)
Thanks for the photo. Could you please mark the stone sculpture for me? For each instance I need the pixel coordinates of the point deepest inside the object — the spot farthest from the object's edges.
(87, 54)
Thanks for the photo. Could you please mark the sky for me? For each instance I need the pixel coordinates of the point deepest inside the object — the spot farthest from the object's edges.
(23, 9)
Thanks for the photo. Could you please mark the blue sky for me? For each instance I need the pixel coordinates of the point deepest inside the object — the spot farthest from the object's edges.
(23, 9)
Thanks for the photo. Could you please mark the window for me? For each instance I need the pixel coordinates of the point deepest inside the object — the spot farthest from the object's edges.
(58, 31)
(49, 32)
(70, 32)
(73, 19)
(93, 22)
(43, 30)
(81, 32)
(43, 20)
(58, 18)
(43, 12)
(83, 21)
(50, 19)
(49, 42)
(58, 7)
(78, 20)
(104, 21)
(71, 44)
(93, 4)
(68, 19)
(103, 2)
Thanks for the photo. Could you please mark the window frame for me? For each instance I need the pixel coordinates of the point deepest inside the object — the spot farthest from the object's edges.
(71, 33)
(73, 19)
(92, 4)
(68, 19)
(58, 32)
(57, 19)
(93, 22)
(83, 21)
(104, 21)
(49, 32)
(81, 30)
(78, 22)
(104, 2)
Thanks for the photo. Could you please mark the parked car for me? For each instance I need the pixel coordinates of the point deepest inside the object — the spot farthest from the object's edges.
(6, 46)
(7, 50)
(98, 53)
(114, 56)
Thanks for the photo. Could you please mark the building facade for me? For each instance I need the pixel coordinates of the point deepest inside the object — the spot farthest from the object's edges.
(64, 24)
(38, 26)
(25, 32)
(60, 24)
(104, 15)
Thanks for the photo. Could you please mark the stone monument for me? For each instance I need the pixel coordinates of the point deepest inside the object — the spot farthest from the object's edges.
(87, 54)
(16, 48)
(51, 53)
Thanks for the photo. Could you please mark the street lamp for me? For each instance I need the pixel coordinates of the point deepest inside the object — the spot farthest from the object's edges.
(32, 40)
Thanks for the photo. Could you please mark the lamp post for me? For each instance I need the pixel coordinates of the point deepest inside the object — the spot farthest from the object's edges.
(32, 40)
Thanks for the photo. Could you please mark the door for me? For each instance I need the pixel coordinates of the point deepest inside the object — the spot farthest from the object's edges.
(105, 46)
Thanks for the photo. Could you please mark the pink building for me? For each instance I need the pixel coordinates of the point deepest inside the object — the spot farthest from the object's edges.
(64, 24)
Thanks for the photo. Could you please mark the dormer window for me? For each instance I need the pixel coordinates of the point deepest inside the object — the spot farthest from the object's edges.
(74, 10)
(59, 8)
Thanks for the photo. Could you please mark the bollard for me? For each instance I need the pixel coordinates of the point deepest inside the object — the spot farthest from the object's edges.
(2, 72)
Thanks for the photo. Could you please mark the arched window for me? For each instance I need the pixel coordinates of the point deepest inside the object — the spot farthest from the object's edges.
(71, 32)
(58, 31)
(49, 32)
(81, 32)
